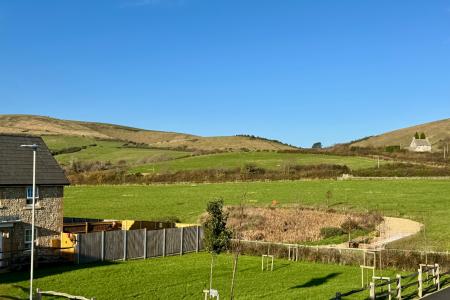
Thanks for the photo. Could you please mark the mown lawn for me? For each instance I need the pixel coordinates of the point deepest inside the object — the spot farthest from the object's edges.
(185, 277)
(268, 160)
(426, 201)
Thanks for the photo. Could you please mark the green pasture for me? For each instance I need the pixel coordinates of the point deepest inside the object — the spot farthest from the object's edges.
(103, 151)
(185, 277)
(268, 160)
(426, 201)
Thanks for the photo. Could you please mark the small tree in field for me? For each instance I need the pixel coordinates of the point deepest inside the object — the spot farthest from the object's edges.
(422, 136)
(217, 236)
(329, 196)
(417, 136)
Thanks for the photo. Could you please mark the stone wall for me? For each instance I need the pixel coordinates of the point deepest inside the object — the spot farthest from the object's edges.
(48, 217)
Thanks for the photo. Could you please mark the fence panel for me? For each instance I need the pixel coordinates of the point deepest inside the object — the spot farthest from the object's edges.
(131, 243)
(114, 245)
(91, 248)
(135, 243)
(173, 241)
(189, 239)
(155, 240)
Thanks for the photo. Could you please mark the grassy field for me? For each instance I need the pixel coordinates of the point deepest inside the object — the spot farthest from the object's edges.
(185, 277)
(104, 151)
(155, 160)
(268, 160)
(426, 201)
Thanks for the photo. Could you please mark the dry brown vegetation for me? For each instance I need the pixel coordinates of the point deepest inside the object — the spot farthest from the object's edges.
(436, 131)
(40, 125)
(292, 224)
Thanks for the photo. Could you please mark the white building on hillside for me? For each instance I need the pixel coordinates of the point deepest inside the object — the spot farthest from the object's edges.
(420, 145)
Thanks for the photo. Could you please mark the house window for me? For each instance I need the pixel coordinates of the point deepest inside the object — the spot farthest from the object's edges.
(30, 195)
(28, 238)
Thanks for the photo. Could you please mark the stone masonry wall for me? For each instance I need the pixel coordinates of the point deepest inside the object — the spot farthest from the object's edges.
(48, 217)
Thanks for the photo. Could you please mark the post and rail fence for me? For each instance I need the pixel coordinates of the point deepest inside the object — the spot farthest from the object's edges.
(400, 288)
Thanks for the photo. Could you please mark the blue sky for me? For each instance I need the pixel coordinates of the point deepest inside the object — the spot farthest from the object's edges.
(300, 71)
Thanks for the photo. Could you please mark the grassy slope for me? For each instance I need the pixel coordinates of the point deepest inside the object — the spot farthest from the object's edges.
(113, 151)
(421, 200)
(40, 125)
(436, 131)
(269, 160)
(185, 277)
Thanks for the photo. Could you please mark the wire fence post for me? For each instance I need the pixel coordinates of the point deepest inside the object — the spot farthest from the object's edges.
(338, 295)
(124, 245)
(38, 294)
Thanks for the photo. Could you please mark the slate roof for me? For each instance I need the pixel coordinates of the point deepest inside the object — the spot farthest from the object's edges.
(420, 142)
(16, 163)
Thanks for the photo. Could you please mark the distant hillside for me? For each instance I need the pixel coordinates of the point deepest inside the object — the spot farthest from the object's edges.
(46, 126)
(437, 132)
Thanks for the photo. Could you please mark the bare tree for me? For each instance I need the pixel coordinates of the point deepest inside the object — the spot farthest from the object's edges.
(236, 248)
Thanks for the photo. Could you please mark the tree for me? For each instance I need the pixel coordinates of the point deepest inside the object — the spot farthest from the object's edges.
(236, 248)
(329, 195)
(217, 235)
(422, 136)
(317, 145)
(417, 136)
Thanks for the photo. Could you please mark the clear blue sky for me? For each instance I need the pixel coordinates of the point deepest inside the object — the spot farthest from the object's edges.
(300, 71)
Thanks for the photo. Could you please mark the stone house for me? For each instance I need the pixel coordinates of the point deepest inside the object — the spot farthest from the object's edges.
(420, 145)
(16, 165)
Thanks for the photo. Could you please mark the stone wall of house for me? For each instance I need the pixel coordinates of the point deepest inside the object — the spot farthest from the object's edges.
(48, 216)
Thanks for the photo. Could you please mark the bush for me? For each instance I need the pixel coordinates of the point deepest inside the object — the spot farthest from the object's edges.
(328, 232)
(349, 225)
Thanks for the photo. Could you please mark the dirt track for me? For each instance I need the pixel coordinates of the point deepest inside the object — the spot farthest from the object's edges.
(393, 229)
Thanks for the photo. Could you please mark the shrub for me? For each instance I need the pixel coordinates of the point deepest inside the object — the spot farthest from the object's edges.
(349, 225)
(328, 232)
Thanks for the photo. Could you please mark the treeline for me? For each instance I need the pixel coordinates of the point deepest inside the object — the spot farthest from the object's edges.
(247, 173)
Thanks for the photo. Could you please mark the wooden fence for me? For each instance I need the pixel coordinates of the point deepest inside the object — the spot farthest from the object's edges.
(137, 244)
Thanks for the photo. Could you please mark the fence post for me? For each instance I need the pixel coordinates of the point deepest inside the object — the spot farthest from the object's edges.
(164, 242)
(338, 295)
(399, 286)
(197, 240)
(438, 277)
(124, 245)
(181, 240)
(38, 294)
(372, 291)
(420, 292)
(103, 246)
(78, 247)
(145, 243)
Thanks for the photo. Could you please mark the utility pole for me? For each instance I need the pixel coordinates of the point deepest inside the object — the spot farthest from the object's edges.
(34, 148)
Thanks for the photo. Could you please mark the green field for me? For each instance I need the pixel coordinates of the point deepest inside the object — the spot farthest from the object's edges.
(426, 201)
(268, 160)
(185, 277)
(112, 151)
(154, 160)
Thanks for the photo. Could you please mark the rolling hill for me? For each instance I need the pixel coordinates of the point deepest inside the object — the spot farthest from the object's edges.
(438, 132)
(63, 130)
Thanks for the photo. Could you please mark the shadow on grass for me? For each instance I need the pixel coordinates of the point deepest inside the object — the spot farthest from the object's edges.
(317, 281)
(18, 276)
(24, 289)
